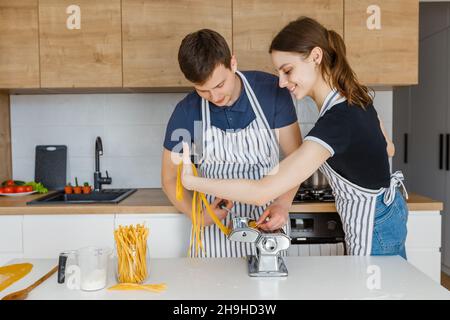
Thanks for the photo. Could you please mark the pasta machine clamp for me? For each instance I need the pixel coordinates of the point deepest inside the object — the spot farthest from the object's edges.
(268, 261)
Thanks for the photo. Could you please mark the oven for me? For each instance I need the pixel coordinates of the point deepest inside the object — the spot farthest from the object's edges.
(316, 234)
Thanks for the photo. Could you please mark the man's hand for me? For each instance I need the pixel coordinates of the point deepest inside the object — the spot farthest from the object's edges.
(220, 213)
(275, 216)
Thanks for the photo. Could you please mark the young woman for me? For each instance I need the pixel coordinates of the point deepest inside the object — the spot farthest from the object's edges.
(348, 144)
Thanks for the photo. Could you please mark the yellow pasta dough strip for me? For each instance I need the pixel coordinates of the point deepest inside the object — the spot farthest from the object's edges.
(198, 223)
(131, 243)
(134, 286)
(12, 273)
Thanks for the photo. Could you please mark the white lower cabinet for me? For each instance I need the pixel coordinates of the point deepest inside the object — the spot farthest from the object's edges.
(168, 233)
(426, 260)
(11, 245)
(423, 243)
(45, 236)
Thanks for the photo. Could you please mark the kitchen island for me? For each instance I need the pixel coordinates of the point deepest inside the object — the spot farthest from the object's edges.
(44, 231)
(339, 277)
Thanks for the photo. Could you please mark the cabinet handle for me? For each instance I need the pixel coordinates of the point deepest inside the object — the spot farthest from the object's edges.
(447, 144)
(405, 149)
(441, 151)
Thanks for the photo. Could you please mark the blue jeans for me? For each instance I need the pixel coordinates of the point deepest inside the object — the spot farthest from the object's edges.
(389, 231)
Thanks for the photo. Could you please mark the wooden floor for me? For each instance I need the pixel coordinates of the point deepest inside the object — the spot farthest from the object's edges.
(445, 280)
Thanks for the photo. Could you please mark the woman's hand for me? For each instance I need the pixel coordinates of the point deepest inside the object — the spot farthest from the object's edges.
(274, 217)
(187, 174)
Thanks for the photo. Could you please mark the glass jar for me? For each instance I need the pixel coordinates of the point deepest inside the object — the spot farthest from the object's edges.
(132, 264)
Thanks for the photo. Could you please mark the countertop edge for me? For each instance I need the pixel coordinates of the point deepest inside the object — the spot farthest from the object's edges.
(141, 203)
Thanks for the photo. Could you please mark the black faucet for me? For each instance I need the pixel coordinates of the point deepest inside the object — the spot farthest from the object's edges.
(98, 179)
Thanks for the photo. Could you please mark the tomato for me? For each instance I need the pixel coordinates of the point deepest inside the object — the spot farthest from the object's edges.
(21, 189)
(9, 190)
(1, 190)
(29, 188)
(10, 183)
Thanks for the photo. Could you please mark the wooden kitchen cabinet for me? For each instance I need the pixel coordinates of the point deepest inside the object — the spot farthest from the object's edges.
(5, 138)
(382, 40)
(152, 32)
(19, 47)
(256, 22)
(80, 47)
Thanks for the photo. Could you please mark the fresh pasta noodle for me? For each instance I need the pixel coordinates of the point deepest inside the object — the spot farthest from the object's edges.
(198, 223)
(131, 244)
(252, 224)
(12, 273)
(134, 286)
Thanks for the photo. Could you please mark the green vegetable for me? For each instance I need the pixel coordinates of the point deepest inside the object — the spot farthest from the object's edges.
(86, 184)
(37, 186)
(16, 183)
(76, 181)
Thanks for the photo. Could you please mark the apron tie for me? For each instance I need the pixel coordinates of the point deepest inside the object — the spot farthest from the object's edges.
(396, 181)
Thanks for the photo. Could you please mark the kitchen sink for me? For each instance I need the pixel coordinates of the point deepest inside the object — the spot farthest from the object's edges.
(103, 196)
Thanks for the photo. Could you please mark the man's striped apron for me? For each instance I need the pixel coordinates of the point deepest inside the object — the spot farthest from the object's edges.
(356, 204)
(249, 153)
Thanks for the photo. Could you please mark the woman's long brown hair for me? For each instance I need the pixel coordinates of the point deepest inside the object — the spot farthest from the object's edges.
(303, 35)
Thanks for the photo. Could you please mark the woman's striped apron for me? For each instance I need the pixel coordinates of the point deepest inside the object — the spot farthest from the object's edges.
(249, 153)
(356, 204)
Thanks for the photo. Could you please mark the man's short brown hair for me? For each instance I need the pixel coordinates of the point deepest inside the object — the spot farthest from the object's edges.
(200, 53)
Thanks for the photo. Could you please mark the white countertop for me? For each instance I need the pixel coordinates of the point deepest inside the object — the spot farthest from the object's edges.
(324, 277)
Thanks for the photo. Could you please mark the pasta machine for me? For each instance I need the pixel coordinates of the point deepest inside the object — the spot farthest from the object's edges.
(268, 261)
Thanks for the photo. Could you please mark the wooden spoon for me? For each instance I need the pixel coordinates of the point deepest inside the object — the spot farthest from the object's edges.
(23, 294)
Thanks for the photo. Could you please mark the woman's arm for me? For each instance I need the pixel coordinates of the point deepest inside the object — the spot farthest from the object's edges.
(292, 171)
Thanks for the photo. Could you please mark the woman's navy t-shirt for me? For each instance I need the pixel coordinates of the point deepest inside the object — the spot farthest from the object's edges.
(358, 147)
(276, 103)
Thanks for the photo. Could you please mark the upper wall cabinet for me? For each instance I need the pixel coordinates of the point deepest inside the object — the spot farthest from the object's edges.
(382, 40)
(80, 43)
(152, 33)
(19, 47)
(256, 22)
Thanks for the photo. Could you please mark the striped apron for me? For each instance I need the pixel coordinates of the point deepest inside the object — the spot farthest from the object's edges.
(249, 153)
(356, 204)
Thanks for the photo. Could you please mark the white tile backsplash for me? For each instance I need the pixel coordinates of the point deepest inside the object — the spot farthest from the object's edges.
(58, 109)
(80, 140)
(140, 109)
(134, 140)
(132, 127)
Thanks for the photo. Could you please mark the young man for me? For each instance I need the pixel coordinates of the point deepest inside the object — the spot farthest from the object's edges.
(236, 123)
